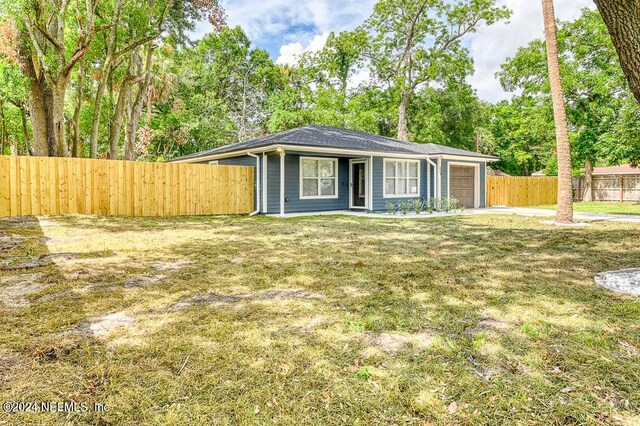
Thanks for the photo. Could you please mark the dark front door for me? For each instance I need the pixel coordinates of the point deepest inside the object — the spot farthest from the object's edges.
(358, 185)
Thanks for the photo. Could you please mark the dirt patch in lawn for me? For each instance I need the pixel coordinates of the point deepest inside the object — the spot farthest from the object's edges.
(15, 289)
(392, 343)
(488, 324)
(101, 326)
(166, 267)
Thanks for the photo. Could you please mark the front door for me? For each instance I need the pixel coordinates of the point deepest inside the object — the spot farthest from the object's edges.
(358, 184)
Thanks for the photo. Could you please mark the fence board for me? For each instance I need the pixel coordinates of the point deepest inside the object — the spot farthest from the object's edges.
(517, 191)
(39, 185)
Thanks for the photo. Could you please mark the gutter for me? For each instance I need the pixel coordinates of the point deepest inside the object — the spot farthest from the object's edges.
(250, 154)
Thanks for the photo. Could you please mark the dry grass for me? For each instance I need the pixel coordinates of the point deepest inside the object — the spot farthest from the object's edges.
(324, 320)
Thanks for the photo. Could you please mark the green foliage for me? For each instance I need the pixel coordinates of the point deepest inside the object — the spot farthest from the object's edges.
(417, 205)
(404, 206)
(391, 207)
(603, 116)
(444, 205)
(363, 374)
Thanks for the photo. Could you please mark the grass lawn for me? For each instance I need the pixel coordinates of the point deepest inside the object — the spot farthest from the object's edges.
(323, 320)
(602, 207)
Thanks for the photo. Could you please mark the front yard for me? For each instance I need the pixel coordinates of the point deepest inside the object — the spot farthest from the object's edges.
(323, 320)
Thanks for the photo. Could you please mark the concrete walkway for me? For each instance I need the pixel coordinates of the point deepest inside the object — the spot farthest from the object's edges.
(521, 211)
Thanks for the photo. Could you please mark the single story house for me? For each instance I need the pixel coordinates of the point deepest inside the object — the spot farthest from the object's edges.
(320, 168)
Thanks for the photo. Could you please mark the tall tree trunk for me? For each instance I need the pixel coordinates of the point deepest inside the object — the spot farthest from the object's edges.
(588, 181)
(25, 130)
(3, 133)
(135, 109)
(622, 18)
(403, 122)
(564, 213)
(118, 118)
(61, 147)
(37, 108)
(76, 149)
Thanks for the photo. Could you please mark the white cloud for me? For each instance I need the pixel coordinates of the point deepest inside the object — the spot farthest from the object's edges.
(289, 53)
(493, 45)
(295, 26)
(262, 19)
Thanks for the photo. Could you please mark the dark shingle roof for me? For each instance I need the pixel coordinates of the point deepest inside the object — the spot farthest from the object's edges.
(334, 137)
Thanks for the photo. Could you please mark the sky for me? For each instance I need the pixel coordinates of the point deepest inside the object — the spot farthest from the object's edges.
(286, 28)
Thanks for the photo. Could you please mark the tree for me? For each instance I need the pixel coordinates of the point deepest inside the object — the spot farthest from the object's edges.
(596, 93)
(622, 18)
(564, 213)
(418, 42)
(54, 38)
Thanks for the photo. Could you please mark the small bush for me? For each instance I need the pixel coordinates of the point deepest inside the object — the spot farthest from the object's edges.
(391, 208)
(404, 207)
(418, 205)
(444, 205)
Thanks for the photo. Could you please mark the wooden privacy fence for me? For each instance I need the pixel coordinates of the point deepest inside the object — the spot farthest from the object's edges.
(517, 191)
(49, 186)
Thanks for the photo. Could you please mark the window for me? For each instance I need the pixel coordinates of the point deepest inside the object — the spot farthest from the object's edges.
(318, 177)
(401, 178)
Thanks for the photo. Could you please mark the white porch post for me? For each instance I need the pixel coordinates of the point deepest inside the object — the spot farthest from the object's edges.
(282, 154)
(370, 186)
(439, 174)
(264, 183)
(428, 179)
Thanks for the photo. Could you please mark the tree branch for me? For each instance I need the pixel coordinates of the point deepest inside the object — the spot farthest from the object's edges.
(135, 44)
(48, 36)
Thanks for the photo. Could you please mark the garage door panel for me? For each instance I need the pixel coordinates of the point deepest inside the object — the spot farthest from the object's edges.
(462, 184)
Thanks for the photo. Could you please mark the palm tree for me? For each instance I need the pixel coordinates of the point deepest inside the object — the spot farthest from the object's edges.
(564, 212)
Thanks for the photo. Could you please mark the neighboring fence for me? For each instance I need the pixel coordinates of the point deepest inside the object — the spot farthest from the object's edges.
(44, 186)
(516, 191)
(610, 188)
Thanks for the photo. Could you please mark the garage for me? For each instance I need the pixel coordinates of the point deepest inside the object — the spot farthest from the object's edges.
(462, 184)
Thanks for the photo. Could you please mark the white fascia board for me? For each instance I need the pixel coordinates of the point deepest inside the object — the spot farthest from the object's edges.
(333, 151)
(467, 158)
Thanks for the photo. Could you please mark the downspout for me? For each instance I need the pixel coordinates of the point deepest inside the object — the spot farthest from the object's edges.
(257, 211)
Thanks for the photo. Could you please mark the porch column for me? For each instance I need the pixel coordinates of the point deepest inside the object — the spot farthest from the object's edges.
(428, 179)
(439, 174)
(282, 154)
(370, 183)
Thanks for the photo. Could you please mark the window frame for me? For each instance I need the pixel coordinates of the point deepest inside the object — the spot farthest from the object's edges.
(319, 178)
(396, 178)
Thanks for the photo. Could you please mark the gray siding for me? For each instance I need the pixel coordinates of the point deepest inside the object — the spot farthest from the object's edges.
(379, 202)
(293, 203)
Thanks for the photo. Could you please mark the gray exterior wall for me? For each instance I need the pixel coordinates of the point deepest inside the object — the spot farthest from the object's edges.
(379, 202)
(293, 203)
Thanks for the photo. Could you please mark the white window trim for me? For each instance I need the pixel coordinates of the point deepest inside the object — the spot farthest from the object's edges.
(476, 179)
(384, 178)
(318, 197)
